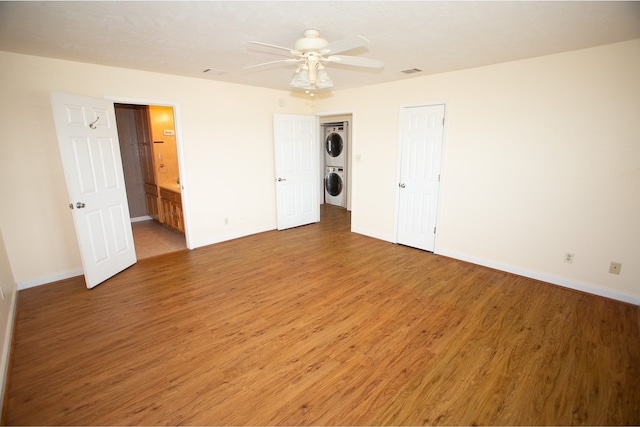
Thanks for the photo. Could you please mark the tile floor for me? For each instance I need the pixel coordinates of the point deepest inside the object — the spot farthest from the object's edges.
(152, 238)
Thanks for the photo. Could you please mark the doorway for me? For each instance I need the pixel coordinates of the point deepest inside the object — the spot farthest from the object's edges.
(152, 177)
(336, 164)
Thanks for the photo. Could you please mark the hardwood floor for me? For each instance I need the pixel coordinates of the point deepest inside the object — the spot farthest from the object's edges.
(318, 325)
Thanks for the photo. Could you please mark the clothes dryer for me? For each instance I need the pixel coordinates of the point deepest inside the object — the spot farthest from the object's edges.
(334, 186)
(335, 143)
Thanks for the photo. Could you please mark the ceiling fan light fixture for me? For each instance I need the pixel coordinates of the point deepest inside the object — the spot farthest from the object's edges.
(322, 78)
(311, 76)
(301, 78)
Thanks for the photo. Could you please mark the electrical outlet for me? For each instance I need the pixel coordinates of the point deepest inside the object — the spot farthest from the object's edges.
(615, 267)
(568, 257)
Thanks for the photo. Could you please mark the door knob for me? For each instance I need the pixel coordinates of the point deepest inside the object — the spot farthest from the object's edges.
(79, 205)
(402, 185)
(281, 179)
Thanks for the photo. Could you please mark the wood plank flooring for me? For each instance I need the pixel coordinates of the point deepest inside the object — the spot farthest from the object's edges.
(320, 326)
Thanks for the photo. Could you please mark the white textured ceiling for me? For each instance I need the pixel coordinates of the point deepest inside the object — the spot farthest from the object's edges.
(184, 38)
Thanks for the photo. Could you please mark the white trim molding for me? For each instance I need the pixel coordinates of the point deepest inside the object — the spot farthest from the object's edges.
(545, 277)
(369, 233)
(26, 284)
(5, 357)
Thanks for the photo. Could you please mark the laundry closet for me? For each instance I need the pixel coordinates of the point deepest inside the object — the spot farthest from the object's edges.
(336, 134)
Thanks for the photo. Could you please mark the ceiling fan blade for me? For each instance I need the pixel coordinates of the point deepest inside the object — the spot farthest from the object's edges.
(355, 60)
(274, 62)
(291, 51)
(344, 45)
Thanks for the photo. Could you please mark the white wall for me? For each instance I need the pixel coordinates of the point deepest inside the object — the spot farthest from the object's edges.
(226, 140)
(542, 156)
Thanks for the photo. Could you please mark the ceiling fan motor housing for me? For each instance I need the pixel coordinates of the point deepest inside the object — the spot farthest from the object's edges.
(310, 42)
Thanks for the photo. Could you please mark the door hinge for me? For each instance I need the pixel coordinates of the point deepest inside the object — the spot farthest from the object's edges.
(434, 230)
(438, 177)
(443, 121)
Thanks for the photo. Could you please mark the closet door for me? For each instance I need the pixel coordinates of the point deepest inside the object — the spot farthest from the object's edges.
(297, 177)
(421, 152)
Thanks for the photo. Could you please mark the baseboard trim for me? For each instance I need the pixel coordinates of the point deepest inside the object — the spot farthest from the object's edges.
(545, 277)
(532, 274)
(141, 218)
(232, 236)
(26, 284)
(5, 357)
(369, 233)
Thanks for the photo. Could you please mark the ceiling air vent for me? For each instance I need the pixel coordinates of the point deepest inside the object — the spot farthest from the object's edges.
(412, 70)
(213, 71)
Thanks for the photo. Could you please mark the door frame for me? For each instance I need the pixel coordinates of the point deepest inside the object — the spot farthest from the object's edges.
(179, 148)
(399, 166)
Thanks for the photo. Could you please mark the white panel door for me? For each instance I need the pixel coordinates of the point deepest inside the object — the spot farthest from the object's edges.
(297, 178)
(421, 152)
(88, 142)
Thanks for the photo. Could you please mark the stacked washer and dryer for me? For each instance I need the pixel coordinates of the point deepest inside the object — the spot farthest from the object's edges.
(335, 148)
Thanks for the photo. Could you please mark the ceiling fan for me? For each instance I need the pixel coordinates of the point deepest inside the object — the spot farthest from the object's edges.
(312, 52)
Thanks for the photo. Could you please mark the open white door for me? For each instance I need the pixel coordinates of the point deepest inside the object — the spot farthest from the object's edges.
(88, 142)
(421, 153)
(297, 179)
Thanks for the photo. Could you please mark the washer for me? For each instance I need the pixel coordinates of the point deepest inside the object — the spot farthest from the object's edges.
(335, 143)
(334, 186)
